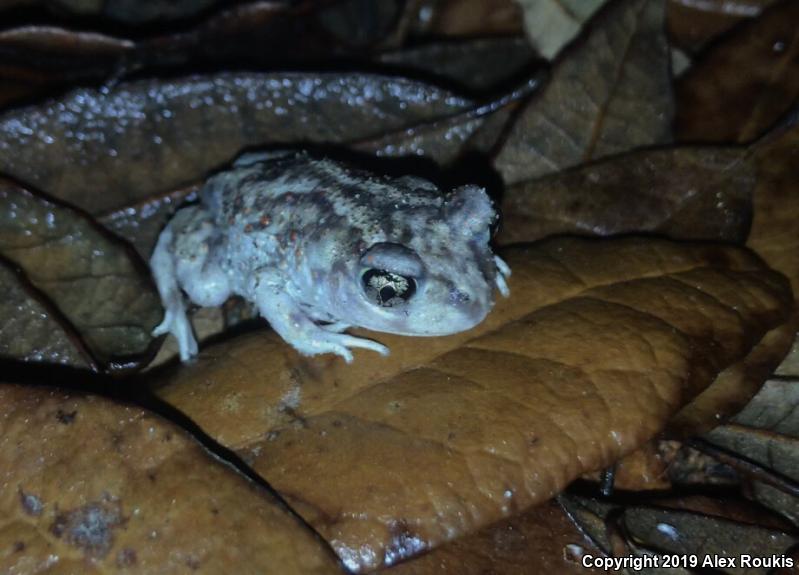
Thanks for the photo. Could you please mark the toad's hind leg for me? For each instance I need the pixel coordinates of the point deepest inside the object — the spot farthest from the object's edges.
(183, 258)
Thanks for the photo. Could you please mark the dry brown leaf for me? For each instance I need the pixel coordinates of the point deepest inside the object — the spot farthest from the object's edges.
(103, 149)
(692, 24)
(609, 93)
(688, 193)
(90, 486)
(97, 283)
(599, 345)
(542, 540)
(718, 102)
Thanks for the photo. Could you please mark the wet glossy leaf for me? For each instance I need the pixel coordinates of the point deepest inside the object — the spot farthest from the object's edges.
(690, 193)
(716, 102)
(551, 24)
(30, 331)
(446, 139)
(608, 94)
(599, 345)
(91, 486)
(105, 149)
(94, 280)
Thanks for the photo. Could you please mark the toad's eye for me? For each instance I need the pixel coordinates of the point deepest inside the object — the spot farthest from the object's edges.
(386, 288)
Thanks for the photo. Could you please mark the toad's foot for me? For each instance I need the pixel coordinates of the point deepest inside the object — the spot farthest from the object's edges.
(293, 324)
(176, 323)
(338, 343)
(504, 273)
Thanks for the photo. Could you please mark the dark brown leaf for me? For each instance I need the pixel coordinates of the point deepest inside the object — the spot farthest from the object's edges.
(466, 17)
(125, 11)
(694, 24)
(542, 540)
(474, 64)
(743, 84)
(104, 149)
(94, 280)
(774, 234)
(608, 94)
(688, 193)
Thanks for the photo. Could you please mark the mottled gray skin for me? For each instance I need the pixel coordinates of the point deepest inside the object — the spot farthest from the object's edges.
(297, 236)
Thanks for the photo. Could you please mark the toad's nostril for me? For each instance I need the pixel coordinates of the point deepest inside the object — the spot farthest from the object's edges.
(457, 296)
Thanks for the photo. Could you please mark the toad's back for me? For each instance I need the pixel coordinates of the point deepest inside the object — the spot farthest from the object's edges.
(295, 191)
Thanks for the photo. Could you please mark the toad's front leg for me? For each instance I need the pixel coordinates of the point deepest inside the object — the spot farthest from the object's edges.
(291, 322)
